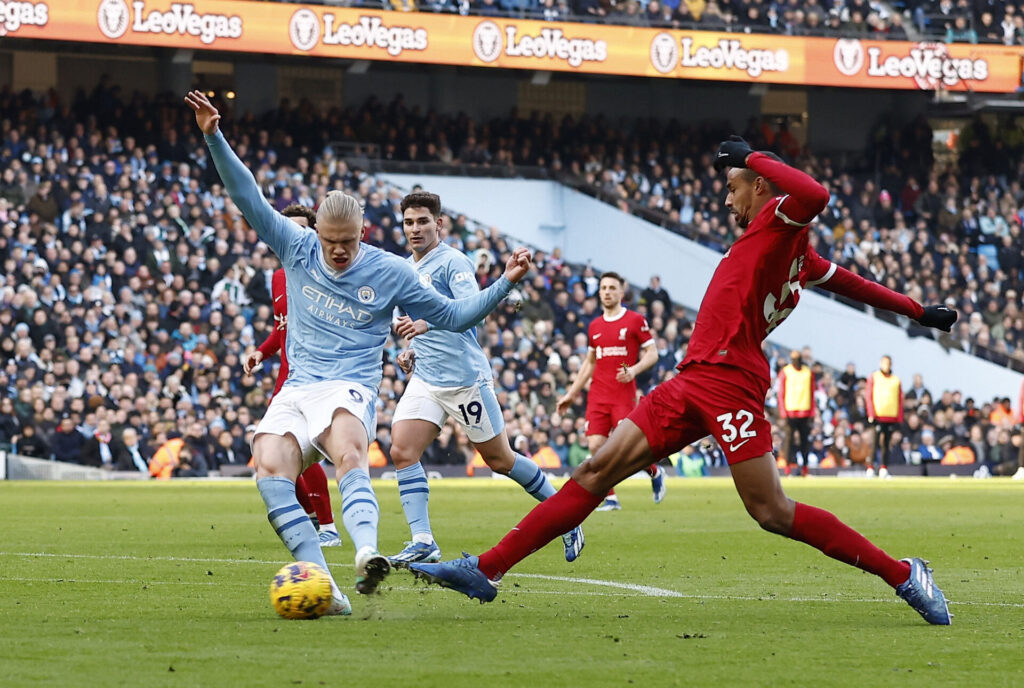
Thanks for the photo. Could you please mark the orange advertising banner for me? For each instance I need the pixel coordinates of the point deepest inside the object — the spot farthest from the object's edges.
(325, 31)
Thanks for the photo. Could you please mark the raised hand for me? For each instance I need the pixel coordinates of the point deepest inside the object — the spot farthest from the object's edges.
(207, 116)
(518, 264)
(939, 317)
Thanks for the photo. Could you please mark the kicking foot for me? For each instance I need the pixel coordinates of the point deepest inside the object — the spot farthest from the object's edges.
(340, 606)
(921, 593)
(461, 575)
(416, 552)
(371, 568)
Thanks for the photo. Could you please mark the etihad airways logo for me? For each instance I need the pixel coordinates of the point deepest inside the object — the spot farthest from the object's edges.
(928, 64)
(114, 18)
(14, 15)
(304, 29)
(337, 311)
(728, 54)
(490, 42)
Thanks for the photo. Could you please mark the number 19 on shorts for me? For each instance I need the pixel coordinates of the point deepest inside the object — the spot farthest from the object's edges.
(473, 409)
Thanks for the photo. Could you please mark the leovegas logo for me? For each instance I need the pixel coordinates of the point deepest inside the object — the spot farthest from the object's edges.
(730, 54)
(14, 15)
(367, 32)
(490, 41)
(114, 18)
(929, 64)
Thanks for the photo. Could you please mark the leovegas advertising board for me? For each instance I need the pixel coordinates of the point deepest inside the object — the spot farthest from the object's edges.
(325, 31)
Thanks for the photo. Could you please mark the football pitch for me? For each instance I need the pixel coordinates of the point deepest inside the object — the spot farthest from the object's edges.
(111, 584)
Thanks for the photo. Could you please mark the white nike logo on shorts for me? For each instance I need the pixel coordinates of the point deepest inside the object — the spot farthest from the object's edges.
(734, 447)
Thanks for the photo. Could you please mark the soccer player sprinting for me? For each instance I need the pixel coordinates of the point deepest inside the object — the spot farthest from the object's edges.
(721, 386)
(311, 487)
(341, 295)
(452, 378)
(615, 339)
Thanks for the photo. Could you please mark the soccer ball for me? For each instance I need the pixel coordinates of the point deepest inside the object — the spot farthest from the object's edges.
(301, 590)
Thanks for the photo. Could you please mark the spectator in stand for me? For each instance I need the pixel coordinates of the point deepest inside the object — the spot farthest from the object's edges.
(31, 444)
(131, 455)
(68, 441)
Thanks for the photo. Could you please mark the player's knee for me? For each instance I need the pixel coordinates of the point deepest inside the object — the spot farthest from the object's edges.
(498, 462)
(351, 459)
(772, 515)
(402, 457)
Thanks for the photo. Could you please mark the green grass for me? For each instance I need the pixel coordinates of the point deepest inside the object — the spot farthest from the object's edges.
(167, 585)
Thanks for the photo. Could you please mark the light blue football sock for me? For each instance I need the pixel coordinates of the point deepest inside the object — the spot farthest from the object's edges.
(415, 495)
(532, 478)
(359, 510)
(291, 523)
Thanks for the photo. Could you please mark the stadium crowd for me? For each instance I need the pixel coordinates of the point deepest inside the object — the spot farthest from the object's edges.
(133, 288)
(953, 21)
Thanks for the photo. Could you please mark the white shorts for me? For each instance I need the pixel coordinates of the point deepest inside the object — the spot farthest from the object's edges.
(306, 411)
(474, 408)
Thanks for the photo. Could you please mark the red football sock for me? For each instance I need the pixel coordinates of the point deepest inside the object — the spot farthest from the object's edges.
(652, 470)
(302, 494)
(611, 493)
(555, 516)
(821, 529)
(319, 493)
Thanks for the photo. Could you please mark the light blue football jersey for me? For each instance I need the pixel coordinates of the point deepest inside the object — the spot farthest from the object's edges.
(338, 322)
(443, 358)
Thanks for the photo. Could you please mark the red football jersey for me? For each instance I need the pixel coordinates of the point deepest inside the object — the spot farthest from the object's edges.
(615, 343)
(275, 342)
(760, 278)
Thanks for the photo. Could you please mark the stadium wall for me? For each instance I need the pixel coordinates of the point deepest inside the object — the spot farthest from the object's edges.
(548, 215)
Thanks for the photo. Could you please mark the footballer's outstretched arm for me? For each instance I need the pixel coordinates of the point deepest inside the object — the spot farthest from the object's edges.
(838, 280)
(457, 315)
(271, 226)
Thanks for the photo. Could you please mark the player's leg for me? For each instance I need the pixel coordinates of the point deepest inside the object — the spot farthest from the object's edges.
(278, 461)
(663, 415)
(320, 497)
(499, 457)
(757, 481)
(345, 442)
(611, 500)
(410, 438)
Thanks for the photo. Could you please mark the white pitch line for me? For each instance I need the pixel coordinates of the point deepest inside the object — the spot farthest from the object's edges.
(643, 590)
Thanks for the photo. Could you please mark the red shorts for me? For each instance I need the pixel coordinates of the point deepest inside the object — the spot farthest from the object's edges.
(705, 399)
(602, 418)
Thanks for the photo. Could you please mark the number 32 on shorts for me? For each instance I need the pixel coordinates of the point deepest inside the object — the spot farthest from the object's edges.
(730, 432)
